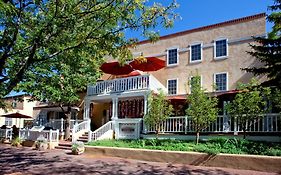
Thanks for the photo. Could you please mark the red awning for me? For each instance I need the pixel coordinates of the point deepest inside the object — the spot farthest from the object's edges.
(148, 64)
(16, 115)
(114, 68)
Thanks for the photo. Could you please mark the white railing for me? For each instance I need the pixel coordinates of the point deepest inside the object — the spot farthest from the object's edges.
(49, 135)
(80, 128)
(141, 82)
(95, 135)
(6, 133)
(60, 124)
(183, 124)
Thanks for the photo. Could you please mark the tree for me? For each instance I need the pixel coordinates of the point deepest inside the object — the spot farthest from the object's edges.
(202, 108)
(268, 50)
(53, 49)
(38, 34)
(249, 104)
(159, 110)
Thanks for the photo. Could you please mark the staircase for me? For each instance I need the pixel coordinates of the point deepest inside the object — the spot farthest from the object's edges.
(66, 145)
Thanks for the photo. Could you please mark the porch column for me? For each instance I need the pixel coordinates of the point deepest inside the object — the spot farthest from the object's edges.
(144, 113)
(86, 109)
(114, 108)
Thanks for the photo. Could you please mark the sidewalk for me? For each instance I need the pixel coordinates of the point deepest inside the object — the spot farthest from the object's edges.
(26, 161)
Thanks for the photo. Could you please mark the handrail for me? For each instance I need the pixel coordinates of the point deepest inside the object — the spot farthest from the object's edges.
(100, 131)
(80, 127)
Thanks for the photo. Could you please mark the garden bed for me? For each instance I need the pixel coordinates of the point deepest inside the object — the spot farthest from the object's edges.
(213, 146)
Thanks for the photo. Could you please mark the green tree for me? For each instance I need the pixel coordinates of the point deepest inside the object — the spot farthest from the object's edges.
(268, 50)
(53, 49)
(159, 110)
(249, 104)
(35, 35)
(202, 108)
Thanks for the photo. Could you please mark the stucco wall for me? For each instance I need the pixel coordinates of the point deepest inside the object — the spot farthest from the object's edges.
(237, 56)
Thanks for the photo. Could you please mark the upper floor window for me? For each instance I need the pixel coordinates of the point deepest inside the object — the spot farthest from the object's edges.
(172, 56)
(221, 47)
(172, 86)
(195, 52)
(14, 104)
(221, 81)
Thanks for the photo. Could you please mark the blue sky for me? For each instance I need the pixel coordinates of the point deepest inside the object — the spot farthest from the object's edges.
(197, 13)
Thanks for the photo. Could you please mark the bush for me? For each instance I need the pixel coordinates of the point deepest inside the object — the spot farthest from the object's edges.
(16, 142)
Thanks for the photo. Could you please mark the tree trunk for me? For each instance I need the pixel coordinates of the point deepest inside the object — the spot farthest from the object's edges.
(67, 125)
(197, 138)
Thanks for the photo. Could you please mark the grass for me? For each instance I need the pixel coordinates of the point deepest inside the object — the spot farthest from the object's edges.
(213, 146)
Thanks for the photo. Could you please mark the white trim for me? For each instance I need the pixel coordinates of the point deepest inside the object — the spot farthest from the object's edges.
(201, 82)
(177, 88)
(201, 50)
(167, 56)
(215, 48)
(214, 77)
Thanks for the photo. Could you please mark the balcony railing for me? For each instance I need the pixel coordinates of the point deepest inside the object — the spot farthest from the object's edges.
(142, 82)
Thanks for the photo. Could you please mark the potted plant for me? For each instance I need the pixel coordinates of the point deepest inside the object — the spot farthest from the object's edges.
(41, 143)
(16, 142)
(78, 148)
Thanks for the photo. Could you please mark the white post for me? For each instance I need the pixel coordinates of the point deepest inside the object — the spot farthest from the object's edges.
(235, 126)
(73, 133)
(89, 135)
(50, 135)
(114, 108)
(61, 125)
(144, 113)
(86, 109)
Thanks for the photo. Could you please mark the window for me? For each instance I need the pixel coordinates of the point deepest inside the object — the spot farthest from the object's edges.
(221, 81)
(192, 80)
(172, 56)
(14, 104)
(195, 52)
(8, 121)
(221, 48)
(172, 86)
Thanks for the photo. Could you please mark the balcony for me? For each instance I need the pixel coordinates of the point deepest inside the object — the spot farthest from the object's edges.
(128, 84)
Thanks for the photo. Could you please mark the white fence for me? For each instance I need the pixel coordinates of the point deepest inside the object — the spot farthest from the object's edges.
(49, 135)
(60, 124)
(125, 84)
(100, 131)
(183, 124)
(6, 133)
(80, 128)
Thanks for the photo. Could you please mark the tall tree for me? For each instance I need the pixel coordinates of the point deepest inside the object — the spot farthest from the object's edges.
(159, 110)
(268, 50)
(249, 104)
(202, 108)
(52, 49)
(34, 35)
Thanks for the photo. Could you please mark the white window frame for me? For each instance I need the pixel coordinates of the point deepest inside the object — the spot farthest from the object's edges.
(8, 120)
(167, 56)
(201, 82)
(216, 83)
(177, 89)
(215, 49)
(190, 52)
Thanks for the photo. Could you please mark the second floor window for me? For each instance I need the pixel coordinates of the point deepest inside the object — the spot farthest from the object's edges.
(172, 86)
(221, 48)
(221, 81)
(172, 56)
(196, 53)
(14, 104)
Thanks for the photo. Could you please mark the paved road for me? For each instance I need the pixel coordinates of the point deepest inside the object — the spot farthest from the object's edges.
(18, 161)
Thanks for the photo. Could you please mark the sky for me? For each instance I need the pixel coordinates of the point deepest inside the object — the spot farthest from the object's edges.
(198, 13)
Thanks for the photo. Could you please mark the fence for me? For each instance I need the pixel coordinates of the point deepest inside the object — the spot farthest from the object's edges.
(183, 124)
(60, 124)
(49, 135)
(6, 133)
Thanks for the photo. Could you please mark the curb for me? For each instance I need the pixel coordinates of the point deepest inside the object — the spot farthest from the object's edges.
(235, 161)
